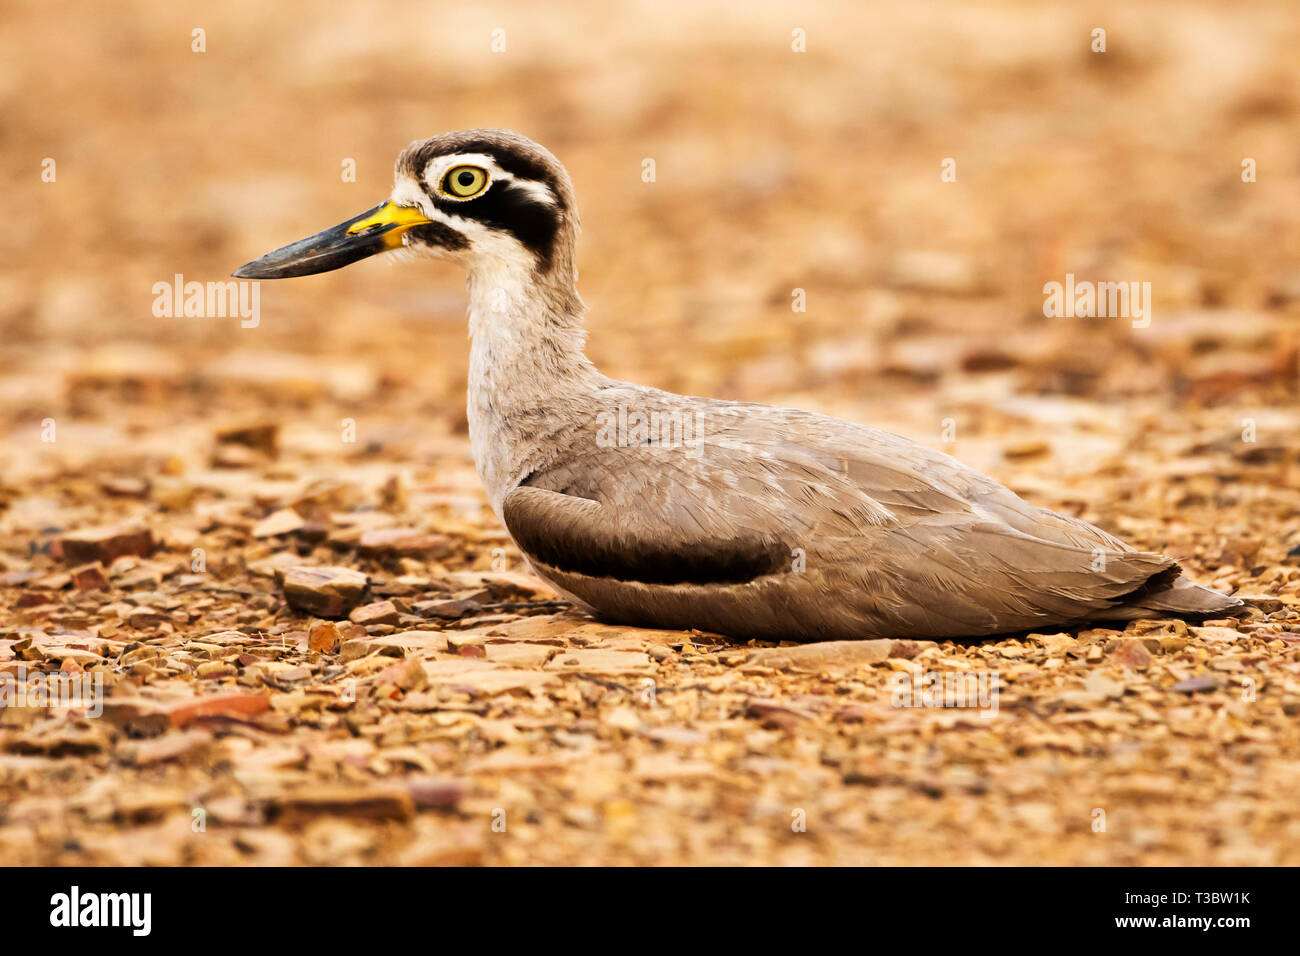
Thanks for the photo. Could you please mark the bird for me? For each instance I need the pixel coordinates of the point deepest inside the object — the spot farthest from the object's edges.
(751, 521)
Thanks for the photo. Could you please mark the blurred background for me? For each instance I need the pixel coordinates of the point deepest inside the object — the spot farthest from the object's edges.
(776, 170)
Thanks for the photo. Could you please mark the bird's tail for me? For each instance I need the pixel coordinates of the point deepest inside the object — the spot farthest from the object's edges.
(1169, 594)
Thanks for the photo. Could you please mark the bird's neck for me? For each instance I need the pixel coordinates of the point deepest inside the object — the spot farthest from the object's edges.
(527, 369)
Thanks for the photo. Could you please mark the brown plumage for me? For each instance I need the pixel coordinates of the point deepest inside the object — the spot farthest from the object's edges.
(783, 524)
(749, 520)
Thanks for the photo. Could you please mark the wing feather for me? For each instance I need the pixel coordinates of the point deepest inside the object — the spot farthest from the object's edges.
(898, 538)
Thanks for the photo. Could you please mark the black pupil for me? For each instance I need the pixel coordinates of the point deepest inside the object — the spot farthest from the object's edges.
(466, 179)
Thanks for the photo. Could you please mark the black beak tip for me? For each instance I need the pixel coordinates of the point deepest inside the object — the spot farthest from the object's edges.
(331, 249)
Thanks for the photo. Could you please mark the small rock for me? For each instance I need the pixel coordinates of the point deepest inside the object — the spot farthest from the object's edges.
(409, 542)
(381, 612)
(106, 544)
(214, 670)
(343, 800)
(323, 591)
(136, 716)
(1239, 551)
(503, 585)
(435, 793)
(324, 637)
(1162, 628)
(1029, 448)
(234, 456)
(143, 653)
(143, 618)
(170, 747)
(1095, 634)
(124, 486)
(18, 578)
(1102, 687)
(89, 577)
(602, 661)
(261, 436)
(447, 610)
(1196, 685)
(906, 650)
(1054, 644)
(622, 718)
(988, 359)
(1131, 654)
(355, 649)
(232, 705)
(826, 654)
(1265, 602)
(409, 675)
(284, 521)
(775, 714)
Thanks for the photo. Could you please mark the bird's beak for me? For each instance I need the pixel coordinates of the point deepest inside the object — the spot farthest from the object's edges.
(374, 231)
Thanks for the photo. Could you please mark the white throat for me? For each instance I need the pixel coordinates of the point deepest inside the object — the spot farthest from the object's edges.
(526, 366)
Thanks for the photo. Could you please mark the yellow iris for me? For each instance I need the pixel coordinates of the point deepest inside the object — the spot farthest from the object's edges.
(464, 182)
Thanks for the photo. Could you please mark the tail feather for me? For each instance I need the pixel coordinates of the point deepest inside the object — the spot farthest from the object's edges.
(1167, 594)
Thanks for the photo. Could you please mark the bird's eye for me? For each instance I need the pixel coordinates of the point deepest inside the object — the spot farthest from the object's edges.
(464, 182)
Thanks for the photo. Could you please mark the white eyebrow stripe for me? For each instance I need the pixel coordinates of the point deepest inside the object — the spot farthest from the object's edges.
(538, 191)
(440, 165)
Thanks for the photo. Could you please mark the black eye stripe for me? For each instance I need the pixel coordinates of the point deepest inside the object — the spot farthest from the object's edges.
(509, 208)
(439, 234)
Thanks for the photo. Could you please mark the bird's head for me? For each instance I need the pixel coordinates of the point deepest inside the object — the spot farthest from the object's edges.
(481, 197)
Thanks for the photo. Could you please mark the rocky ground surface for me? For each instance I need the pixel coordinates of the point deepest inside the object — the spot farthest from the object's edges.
(323, 655)
(267, 546)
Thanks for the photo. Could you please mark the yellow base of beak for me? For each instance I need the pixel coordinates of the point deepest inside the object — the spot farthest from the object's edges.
(392, 220)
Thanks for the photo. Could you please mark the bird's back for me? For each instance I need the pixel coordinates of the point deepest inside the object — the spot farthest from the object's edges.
(780, 523)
